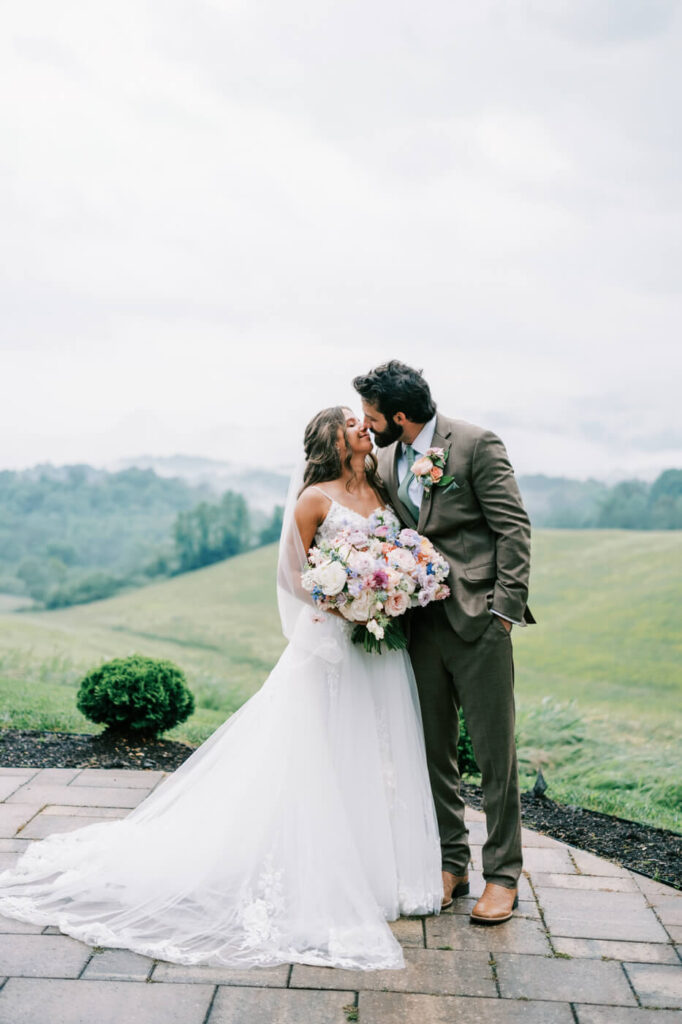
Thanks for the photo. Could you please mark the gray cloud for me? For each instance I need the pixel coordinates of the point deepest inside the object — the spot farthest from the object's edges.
(215, 214)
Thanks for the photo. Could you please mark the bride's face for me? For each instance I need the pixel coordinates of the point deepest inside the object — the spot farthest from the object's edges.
(357, 433)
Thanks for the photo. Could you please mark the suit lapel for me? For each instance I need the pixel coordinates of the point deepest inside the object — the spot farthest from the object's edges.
(441, 437)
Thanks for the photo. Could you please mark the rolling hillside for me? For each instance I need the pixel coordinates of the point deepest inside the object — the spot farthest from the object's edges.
(608, 639)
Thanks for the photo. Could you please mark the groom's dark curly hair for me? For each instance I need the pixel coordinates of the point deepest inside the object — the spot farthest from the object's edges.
(395, 387)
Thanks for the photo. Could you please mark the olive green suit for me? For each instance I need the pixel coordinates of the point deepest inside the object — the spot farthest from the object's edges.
(461, 653)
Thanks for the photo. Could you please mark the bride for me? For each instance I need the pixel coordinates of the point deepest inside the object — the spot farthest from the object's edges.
(303, 824)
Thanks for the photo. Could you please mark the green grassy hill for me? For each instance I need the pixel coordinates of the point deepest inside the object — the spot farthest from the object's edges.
(219, 624)
(599, 685)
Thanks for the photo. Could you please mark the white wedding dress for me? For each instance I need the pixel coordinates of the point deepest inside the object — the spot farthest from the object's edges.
(293, 834)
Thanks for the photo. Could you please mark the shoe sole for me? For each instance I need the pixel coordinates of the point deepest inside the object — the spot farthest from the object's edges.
(495, 920)
(460, 890)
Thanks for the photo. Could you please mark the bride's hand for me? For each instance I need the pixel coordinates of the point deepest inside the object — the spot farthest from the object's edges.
(320, 614)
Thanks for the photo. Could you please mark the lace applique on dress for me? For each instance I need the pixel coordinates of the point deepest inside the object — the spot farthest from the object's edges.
(259, 912)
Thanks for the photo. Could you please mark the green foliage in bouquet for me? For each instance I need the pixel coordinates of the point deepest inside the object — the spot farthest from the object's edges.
(465, 750)
(394, 638)
(136, 695)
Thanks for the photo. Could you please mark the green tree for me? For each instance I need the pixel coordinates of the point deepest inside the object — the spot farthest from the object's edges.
(210, 533)
(626, 506)
(270, 533)
(665, 501)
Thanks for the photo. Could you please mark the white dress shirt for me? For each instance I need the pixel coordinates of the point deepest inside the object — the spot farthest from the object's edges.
(421, 444)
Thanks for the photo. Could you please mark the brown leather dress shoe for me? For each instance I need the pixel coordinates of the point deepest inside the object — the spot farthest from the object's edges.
(495, 905)
(454, 886)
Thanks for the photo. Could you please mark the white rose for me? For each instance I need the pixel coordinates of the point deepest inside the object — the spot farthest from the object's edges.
(374, 627)
(330, 578)
(361, 562)
(308, 581)
(401, 559)
(343, 551)
(360, 607)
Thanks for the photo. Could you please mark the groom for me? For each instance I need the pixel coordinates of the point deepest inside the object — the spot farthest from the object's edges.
(471, 509)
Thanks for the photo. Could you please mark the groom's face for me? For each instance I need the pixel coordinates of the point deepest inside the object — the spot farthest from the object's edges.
(385, 431)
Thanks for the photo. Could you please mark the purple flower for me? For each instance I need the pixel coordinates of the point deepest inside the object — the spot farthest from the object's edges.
(378, 579)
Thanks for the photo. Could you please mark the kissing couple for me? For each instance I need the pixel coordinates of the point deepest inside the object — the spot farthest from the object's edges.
(330, 804)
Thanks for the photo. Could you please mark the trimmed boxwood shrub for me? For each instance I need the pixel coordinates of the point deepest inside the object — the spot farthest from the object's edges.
(136, 695)
(465, 750)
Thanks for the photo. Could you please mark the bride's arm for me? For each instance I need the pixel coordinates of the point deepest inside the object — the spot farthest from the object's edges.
(311, 508)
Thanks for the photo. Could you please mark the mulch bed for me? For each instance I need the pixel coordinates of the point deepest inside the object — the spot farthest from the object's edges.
(24, 748)
(650, 851)
(653, 852)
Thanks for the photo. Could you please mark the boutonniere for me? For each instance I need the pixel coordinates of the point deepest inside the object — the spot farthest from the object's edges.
(428, 469)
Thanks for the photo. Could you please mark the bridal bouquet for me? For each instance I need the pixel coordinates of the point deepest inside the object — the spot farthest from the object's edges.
(372, 574)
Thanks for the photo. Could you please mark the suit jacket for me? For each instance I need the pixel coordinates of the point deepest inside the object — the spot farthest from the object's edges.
(479, 525)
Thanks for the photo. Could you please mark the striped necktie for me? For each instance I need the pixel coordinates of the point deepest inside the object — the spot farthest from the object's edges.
(403, 489)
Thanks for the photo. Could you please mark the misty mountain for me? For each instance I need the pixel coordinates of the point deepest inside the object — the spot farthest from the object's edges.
(264, 488)
(551, 501)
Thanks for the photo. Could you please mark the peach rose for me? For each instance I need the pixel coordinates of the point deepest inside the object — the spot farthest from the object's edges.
(436, 474)
(397, 603)
(421, 466)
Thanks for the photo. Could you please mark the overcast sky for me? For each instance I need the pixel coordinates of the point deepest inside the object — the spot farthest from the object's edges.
(215, 213)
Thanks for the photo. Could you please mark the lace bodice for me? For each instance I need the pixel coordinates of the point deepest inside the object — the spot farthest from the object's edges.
(340, 516)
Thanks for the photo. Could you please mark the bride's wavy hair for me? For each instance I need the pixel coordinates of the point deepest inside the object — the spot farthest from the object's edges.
(323, 460)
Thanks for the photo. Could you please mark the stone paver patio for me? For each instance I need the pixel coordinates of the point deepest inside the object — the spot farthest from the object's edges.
(592, 943)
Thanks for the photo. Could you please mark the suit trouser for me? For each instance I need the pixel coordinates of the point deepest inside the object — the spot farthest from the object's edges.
(479, 677)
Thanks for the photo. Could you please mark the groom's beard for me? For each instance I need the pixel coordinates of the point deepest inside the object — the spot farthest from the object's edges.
(392, 433)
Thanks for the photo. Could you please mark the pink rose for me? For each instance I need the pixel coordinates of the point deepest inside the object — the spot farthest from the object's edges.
(421, 466)
(436, 474)
(397, 603)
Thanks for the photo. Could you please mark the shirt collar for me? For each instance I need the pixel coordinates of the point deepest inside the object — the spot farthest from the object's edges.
(424, 438)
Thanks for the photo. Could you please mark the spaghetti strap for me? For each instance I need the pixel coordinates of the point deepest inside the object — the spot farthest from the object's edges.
(316, 488)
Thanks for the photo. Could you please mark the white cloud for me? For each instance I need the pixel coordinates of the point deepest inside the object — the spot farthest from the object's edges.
(215, 214)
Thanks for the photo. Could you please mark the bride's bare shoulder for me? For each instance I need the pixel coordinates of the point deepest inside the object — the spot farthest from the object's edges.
(312, 497)
(311, 507)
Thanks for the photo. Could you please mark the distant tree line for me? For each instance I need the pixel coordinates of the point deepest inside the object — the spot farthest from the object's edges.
(634, 505)
(629, 505)
(75, 534)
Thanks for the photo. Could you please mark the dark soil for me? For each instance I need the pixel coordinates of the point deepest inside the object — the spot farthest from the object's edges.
(23, 748)
(653, 852)
(650, 851)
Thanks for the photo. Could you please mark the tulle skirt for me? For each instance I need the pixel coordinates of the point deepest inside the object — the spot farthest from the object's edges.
(293, 834)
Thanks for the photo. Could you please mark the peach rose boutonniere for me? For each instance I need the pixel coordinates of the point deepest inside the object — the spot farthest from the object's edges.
(429, 470)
